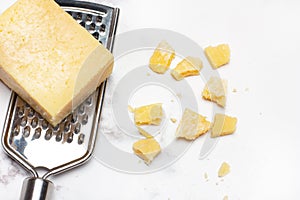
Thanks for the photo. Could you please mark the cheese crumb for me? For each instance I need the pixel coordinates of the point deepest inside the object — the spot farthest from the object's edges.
(148, 114)
(234, 90)
(173, 120)
(223, 125)
(192, 125)
(215, 90)
(218, 55)
(206, 176)
(225, 198)
(224, 169)
(147, 149)
(190, 66)
(161, 58)
(144, 133)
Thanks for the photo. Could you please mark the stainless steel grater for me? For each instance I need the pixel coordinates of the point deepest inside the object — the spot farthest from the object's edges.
(44, 150)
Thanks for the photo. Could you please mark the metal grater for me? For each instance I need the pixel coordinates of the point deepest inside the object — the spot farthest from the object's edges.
(44, 150)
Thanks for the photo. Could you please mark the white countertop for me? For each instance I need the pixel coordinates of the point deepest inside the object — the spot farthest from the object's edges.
(265, 45)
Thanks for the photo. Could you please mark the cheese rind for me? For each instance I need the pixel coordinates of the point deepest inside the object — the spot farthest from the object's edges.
(192, 125)
(148, 114)
(147, 149)
(162, 57)
(48, 59)
(215, 90)
(218, 55)
(190, 66)
(223, 125)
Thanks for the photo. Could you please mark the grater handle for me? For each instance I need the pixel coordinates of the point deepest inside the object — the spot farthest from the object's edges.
(36, 189)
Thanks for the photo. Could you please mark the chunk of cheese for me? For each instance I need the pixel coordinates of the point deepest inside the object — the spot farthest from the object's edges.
(218, 55)
(223, 125)
(148, 114)
(215, 90)
(48, 59)
(192, 125)
(224, 169)
(162, 57)
(190, 66)
(147, 149)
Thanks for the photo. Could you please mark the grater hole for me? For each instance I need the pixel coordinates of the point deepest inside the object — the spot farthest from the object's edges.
(37, 133)
(70, 137)
(77, 128)
(74, 118)
(16, 131)
(81, 109)
(82, 24)
(78, 16)
(89, 17)
(48, 134)
(44, 124)
(98, 19)
(59, 137)
(23, 121)
(34, 122)
(64, 120)
(81, 138)
(26, 131)
(55, 128)
(102, 28)
(31, 112)
(39, 116)
(20, 111)
(96, 35)
(67, 126)
(85, 119)
(89, 100)
(92, 27)
(101, 42)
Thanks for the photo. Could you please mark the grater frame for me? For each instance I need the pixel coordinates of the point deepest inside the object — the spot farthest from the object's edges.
(108, 18)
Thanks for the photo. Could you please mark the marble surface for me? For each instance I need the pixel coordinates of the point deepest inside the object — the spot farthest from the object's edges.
(263, 153)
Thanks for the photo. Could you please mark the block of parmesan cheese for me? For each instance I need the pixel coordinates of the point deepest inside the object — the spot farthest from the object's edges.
(48, 59)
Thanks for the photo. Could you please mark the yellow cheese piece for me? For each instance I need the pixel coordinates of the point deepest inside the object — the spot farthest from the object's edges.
(190, 66)
(223, 125)
(215, 90)
(192, 125)
(224, 169)
(147, 149)
(148, 114)
(144, 133)
(218, 55)
(48, 59)
(162, 57)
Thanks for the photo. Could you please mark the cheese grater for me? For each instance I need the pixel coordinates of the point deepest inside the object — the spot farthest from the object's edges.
(42, 149)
